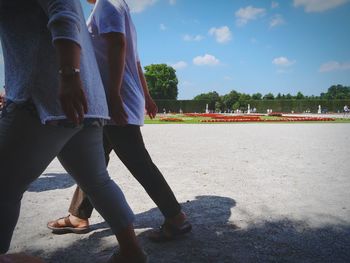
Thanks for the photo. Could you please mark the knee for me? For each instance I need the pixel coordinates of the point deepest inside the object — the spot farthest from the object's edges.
(99, 182)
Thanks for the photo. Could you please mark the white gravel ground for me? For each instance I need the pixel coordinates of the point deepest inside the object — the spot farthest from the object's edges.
(254, 193)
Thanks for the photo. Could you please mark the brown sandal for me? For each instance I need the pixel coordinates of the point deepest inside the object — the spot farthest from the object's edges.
(67, 227)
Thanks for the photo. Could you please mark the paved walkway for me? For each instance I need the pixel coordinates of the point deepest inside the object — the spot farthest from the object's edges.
(254, 192)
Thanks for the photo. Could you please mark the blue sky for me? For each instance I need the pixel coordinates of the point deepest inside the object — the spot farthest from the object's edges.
(246, 45)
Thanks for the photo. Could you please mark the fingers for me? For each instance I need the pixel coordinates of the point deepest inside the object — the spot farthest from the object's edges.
(152, 110)
(73, 99)
(79, 111)
(120, 117)
(74, 109)
(68, 110)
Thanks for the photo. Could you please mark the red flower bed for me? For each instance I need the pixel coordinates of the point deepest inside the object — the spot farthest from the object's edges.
(257, 119)
(296, 118)
(207, 115)
(171, 119)
(276, 114)
(216, 117)
(234, 120)
(246, 117)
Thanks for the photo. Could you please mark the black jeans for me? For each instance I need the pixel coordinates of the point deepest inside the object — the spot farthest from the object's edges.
(127, 143)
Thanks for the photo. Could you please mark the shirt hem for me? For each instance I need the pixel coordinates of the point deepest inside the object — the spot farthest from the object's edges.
(56, 118)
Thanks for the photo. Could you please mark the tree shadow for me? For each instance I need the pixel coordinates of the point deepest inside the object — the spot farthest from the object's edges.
(216, 239)
(51, 181)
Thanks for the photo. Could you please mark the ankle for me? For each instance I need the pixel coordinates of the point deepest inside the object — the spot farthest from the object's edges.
(179, 219)
(77, 220)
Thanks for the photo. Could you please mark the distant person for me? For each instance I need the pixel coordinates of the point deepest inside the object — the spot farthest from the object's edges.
(114, 39)
(346, 110)
(2, 100)
(55, 106)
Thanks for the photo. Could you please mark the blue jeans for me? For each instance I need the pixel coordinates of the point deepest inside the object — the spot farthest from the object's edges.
(27, 147)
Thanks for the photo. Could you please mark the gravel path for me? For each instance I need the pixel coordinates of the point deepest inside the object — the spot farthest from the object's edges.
(254, 193)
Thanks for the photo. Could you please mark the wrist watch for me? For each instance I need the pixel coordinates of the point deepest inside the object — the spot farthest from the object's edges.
(68, 71)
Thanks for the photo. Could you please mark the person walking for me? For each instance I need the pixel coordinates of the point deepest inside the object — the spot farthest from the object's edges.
(55, 106)
(114, 40)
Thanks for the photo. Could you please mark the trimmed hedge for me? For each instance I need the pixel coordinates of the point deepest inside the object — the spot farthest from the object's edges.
(184, 105)
(260, 105)
(298, 105)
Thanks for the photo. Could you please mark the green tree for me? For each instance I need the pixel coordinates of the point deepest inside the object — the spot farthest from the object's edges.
(162, 81)
(299, 96)
(337, 92)
(218, 106)
(242, 102)
(212, 97)
(289, 96)
(229, 99)
(269, 96)
(257, 96)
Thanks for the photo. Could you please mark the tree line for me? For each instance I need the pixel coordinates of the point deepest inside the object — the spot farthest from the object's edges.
(162, 83)
(236, 100)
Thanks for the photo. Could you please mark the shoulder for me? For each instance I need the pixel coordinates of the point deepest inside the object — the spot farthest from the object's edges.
(115, 5)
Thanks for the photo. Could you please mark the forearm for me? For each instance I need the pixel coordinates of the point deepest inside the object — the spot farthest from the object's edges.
(68, 53)
(116, 63)
(143, 80)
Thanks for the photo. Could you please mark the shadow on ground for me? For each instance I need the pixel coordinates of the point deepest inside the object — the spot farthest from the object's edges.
(51, 181)
(215, 239)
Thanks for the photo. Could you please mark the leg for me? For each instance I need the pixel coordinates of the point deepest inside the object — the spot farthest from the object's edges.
(129, 146)
(26, 148)
(80, 209)
(81, 206)
(83, 158)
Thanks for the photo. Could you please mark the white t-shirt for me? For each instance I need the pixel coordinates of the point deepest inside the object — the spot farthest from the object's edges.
(114, 16)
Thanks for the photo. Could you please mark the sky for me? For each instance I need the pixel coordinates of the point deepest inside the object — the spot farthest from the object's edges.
(249, 46)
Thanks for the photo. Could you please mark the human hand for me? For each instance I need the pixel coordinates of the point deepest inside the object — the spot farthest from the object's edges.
(151, 107)
(72, 98)
(117, 112)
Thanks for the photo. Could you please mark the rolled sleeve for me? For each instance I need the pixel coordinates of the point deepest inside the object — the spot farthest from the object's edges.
(110, 17)
(65, 19)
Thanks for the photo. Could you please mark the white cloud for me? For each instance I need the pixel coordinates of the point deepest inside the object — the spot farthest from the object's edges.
(318, 5)
(274, 4)
(244, 15)
(179, 65)
(334, 66)
(283, 61)
(276, 20)
(192, 38)
(222, 34)
(137, 6)
(206, 60)
(162, 27)
(228, 78)
(172, 2)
